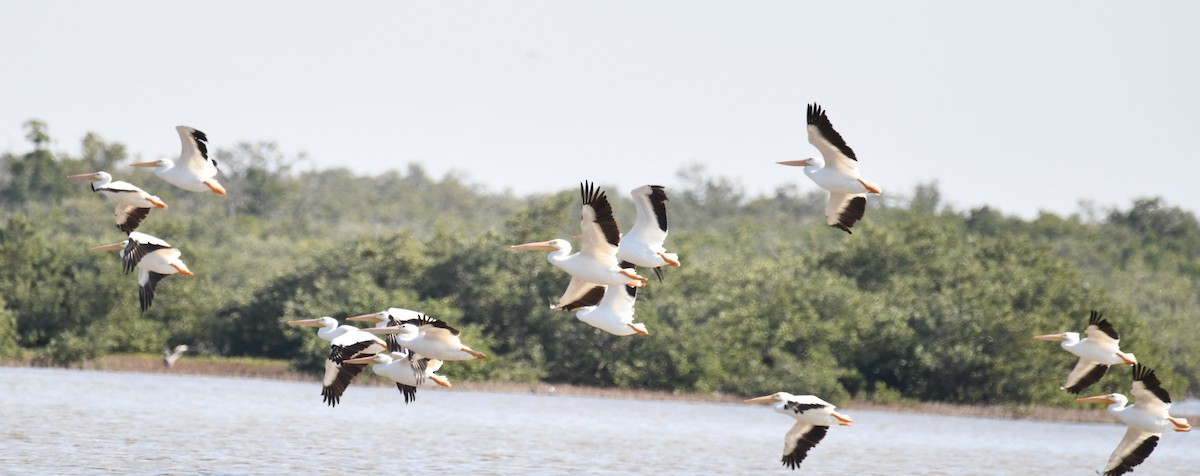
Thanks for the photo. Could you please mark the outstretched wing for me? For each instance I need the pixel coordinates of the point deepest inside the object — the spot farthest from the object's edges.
(337, 378)
(579, 294)
(194, 155)
(801, 438)
(833, 148)
(845, 209)
(1134, 448)
(651, 224)
(147, 283)
(129, 217)
(137, 247)
(1085, 373)
(600, 235)
(409, 392)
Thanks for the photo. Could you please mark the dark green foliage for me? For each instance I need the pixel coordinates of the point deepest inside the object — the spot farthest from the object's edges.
(921, 302)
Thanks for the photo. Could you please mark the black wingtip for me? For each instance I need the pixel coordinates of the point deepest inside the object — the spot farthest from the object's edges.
(1150, 380)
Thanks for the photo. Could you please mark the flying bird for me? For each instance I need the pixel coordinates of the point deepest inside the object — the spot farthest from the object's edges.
(345, 343)
(133, 203)
(1096, 352)
(409, 371)
(813, 419)
(614, 313)
(392, 317)
(170, 356)
(595, 265)
(154, 259)
(195, 170)
(1148, 418)
(836, 171)
(643, 245)
(428, 337)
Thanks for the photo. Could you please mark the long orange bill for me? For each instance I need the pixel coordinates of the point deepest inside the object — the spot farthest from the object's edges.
(112, 247)
(535, 246)
(366, 317)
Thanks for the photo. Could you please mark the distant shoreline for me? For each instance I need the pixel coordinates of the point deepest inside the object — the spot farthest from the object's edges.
(279, 370)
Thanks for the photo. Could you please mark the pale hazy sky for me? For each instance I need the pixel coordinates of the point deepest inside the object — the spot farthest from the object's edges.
(1024, 106)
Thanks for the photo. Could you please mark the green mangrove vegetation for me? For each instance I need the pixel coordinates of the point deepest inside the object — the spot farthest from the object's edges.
(923, 302)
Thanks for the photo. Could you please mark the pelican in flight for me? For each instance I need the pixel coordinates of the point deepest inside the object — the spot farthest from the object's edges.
(813, 418)
(345, 343)
(1147, 419)
(408, 375)
(1096, 352)
(154, 259)
(170, 356)
(424, 335)
(595, 265)
(195, 170)
(836, 171)
(133, 203)
(392, 317)
(643, 245)
(614, 313)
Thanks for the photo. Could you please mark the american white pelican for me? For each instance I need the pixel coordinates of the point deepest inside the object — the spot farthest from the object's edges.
(836, 171)
(392, 317)
(345, 343)
(614, 314)
(1147, 419)
(596, 262)
(133, 203)
(195, 170)
(170, 356)
(155, 259)
(429, 337)
(1096, 352)
(813, 418)
(408, 374)
(643, 245)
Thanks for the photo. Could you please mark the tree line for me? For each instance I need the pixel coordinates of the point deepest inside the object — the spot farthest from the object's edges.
(922, 302)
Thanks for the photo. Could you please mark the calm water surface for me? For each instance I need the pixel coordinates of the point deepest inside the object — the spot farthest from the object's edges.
(70, 422)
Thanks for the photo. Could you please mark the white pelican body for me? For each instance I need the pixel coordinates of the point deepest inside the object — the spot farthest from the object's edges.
(813, 418)
(408, 374)
(154, 259)
(595, 265)
(194, 171)
(1096, 352)
(614, 314)
(427, 337)
(133, 203)
(345, 343)
(836, 171)
(643, 245)
(1147, 420)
